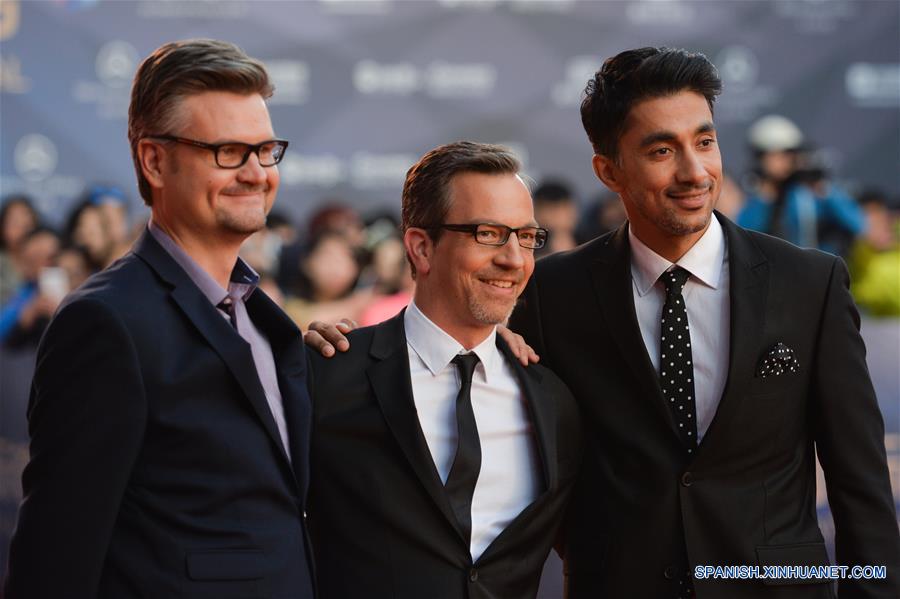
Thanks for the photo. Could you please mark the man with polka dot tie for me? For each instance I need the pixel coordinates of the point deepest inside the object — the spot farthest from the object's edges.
(712, 364)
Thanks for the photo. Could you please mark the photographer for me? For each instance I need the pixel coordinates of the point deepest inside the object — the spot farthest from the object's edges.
(790, 194)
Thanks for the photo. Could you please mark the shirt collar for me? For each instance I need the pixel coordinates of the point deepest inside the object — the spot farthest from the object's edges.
(243, 279)
(704, 260)
(436, 348)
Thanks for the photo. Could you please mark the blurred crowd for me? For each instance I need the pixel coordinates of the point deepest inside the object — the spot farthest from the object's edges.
(346, 264)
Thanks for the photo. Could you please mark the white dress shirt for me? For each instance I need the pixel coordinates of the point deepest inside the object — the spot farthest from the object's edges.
(706, 297)
(510, 477)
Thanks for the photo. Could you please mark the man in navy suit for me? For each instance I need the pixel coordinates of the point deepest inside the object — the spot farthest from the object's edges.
(169, 416)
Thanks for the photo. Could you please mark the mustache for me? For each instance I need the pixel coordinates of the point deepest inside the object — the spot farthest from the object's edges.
(241, 188)
(504, 275)
(687, 189)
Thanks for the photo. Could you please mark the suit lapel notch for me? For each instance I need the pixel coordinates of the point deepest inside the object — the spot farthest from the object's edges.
(542, 412)
(611, 274)
(749, 273)
(391, 384)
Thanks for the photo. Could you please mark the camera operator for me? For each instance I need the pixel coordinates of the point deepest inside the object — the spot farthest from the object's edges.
(790, 193)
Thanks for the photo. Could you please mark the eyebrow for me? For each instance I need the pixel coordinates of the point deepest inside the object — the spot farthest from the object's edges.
(658, 136)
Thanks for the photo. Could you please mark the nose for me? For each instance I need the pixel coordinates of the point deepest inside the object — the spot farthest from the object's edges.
(251, 171)
(691, 169)
(511, 256)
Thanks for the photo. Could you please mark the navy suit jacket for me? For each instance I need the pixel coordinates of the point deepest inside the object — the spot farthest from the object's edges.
(643, 511)
(156, 467)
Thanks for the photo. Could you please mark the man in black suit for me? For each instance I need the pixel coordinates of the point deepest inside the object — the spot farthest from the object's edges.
(441, 467)
(169, 415)
(711, 364)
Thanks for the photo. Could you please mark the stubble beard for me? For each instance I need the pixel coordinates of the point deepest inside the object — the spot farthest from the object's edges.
(244, 222)
(485, 313)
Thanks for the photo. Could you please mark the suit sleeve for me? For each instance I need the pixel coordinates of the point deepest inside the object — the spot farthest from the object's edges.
(86, 420)
(526, 318)
(850, 445)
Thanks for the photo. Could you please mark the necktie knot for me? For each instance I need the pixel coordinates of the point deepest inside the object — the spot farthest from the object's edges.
(675, 279)
(466, 364)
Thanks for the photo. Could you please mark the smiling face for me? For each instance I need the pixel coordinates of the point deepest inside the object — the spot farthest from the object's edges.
(196, 197)
(668, 173)
(465, 287)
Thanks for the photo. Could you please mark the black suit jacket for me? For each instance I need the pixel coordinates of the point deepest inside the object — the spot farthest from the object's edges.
(381, 522)
(156, 467)
(748, 495)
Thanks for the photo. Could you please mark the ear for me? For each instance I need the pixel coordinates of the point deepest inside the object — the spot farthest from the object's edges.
(607, 171)
(419, 248)
(151, 157)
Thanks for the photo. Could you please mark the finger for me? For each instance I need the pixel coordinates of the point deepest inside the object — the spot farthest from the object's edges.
(315, 341)
(334, 336)
(533, 357)
(348, 324)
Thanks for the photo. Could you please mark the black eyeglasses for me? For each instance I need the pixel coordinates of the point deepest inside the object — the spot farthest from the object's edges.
(532, 238)
(234, 154)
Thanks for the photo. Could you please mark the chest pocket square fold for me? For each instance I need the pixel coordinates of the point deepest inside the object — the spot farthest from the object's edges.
(778, 361)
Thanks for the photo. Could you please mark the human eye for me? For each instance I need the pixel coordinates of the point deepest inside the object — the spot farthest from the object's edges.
(707, 142)
(231, 153)
(661, 152)
(527, 235)
(488, 234)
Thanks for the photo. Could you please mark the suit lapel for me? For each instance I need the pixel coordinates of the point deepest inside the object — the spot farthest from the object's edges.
(220, 335)
(391, 384)
(611, 274)
(542, 412)
(749, 274)
(290, 361)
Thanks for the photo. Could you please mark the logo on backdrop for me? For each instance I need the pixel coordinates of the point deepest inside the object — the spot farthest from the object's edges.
(743, 96)
(578, 71)
(35, 157)
(659, 12)
(440, 79)
(291, 80)
(817, 16)
(178, 9)
(114, 67)
(873, 85)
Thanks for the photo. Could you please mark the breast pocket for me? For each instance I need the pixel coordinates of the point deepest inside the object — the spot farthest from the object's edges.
(226, 574)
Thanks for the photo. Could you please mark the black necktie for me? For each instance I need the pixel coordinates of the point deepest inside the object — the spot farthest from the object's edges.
(676, 376)
(463, 475)
(676, 367)
(227, 306)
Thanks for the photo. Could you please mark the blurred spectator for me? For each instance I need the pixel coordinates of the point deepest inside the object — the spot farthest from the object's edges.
(113, 207)
(335, 217)
(791, 195)
(323, 288)
(875, 259)
(17, 218)
(332, 217)
(85, 228)
(603, 214)
(731, 198)
(282, 226)
(390, 274)
(24, 316)
(555, 209)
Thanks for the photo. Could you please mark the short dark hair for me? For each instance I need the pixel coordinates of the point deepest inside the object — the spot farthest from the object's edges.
(553, 191)
(179, 69)
(6, 206)
(636, 75)
(426, 191)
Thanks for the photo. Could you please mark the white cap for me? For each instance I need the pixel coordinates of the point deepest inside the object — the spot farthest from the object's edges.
(774, 133)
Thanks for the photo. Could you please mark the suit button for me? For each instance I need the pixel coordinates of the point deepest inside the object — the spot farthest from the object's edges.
(686, 479)
(669, 572)
(473, 575)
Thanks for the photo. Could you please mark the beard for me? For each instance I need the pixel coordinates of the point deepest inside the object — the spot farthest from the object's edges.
(246, 221)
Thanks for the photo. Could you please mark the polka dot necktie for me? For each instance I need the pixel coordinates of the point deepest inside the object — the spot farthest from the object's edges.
(676, 375)
(460, 485)
(676, 369)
